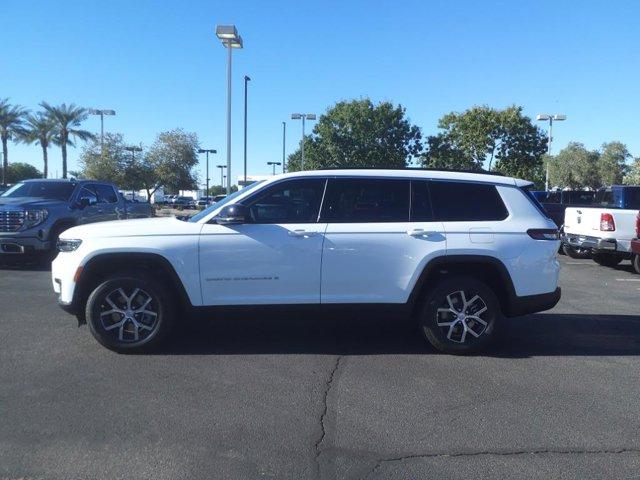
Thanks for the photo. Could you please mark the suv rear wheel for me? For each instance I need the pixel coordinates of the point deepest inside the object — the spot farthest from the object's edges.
(130, 312)
(635, 261)
(460, 316)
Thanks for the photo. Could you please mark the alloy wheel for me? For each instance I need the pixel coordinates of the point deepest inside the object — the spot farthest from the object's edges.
(462, 316)
(129, 316)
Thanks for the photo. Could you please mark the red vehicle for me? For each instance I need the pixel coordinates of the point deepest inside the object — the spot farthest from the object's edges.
(635, 247)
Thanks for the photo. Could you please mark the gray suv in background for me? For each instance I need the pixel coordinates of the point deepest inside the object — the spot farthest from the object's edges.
(34, 212)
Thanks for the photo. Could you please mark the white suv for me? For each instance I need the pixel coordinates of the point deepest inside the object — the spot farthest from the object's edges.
(456, 251)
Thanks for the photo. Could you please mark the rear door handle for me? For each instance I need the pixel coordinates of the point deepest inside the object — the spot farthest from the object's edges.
(417, 232)
(301, 233)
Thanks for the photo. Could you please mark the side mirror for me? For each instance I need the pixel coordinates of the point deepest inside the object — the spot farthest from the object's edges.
(232, 215)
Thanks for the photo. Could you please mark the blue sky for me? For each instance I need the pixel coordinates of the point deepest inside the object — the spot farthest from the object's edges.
(159, 65)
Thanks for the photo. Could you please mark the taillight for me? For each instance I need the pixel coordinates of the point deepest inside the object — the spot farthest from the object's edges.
(606, 222)
(638, 225)
(544, 233)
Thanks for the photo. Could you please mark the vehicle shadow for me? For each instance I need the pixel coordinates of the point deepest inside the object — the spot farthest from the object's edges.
(25, 265)
(546, 334)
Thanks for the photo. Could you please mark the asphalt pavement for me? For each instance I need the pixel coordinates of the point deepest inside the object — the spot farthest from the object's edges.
(343, 398)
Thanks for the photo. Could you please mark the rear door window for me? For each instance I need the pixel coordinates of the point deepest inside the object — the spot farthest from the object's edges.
(366, 200)
(461, 201)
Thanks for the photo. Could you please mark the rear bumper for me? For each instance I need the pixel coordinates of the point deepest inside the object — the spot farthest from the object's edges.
(594, 243)
(533, 303)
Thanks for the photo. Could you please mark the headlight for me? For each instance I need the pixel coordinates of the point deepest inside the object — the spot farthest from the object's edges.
(34, 217)
(68, 245)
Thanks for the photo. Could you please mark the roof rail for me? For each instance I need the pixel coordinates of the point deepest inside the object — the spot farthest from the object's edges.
(458, 170)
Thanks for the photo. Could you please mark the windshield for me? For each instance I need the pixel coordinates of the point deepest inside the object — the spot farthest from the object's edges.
(49, 190)
(199, 216)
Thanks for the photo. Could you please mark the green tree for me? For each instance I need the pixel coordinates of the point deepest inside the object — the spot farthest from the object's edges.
(484, 135)
(170, 161)
(633, 173)
(22, 171)
(67, 119)
(442, 154)
(110, 166)
(40, 129)
(11, 128)
(359, 133)
(613, 163)
(575, 167)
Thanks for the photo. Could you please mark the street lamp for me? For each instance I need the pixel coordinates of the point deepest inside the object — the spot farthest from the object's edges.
(274, 166)
(544, 117)
(222, 175)
(284, 138)
(303, 116)
(228, 34)
(246, 79)
(102, 113)
(207, 151)
(133, 149)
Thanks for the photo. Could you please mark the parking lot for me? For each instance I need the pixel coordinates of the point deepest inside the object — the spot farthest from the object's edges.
(558, 397)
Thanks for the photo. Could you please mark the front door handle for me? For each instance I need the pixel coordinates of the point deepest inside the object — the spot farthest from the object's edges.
(301, 233)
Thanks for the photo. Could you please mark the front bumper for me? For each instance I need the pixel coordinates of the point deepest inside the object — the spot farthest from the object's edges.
(635, 246)
(15, 245)
(519, 306)
(593, 243)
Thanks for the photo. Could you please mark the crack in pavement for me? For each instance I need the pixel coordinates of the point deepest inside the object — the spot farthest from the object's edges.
(323, 429)
(413, 456)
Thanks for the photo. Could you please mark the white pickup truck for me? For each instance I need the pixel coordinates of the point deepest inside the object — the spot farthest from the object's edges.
(606, 228)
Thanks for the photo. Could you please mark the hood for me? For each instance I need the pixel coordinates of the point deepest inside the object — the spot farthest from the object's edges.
(143, 227)
(30, 202)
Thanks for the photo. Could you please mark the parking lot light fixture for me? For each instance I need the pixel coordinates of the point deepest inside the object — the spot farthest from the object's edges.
(273, 164)
(102, 113)
(230, 38)
(545, 117)
(303, 117)
(222, 175)
(207, 151)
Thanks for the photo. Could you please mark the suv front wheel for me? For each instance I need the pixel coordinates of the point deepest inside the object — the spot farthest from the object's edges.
(130, 312)
(460, 315)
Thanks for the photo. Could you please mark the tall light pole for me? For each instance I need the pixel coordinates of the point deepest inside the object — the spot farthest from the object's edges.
(207, 151)
(133, 149)
(284, 139)
(228, 34)
(246, 79)
(303, 116)
(544, 117)
(273, 164)
(222, 175)
(102, 113)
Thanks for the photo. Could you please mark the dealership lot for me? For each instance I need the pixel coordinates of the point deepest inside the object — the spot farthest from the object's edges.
(334, 398)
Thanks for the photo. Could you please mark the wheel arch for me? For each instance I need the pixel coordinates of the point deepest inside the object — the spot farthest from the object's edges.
(102, 265)
(487, 269)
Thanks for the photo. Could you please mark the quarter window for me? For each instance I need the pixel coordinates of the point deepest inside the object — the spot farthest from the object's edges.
(458, 201)
(355, 200)
(295, 201)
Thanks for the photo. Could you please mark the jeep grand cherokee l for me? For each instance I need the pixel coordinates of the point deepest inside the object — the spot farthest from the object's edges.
(454, 251)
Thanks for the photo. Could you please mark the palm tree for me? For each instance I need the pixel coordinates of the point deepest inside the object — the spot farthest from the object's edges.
(66, 118)
(40, 129)
(11, 127)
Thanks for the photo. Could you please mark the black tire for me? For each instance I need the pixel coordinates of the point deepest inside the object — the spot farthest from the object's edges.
(635, 261)
(151, 312)
(574, 252)
(607, 259)
(452, 337)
